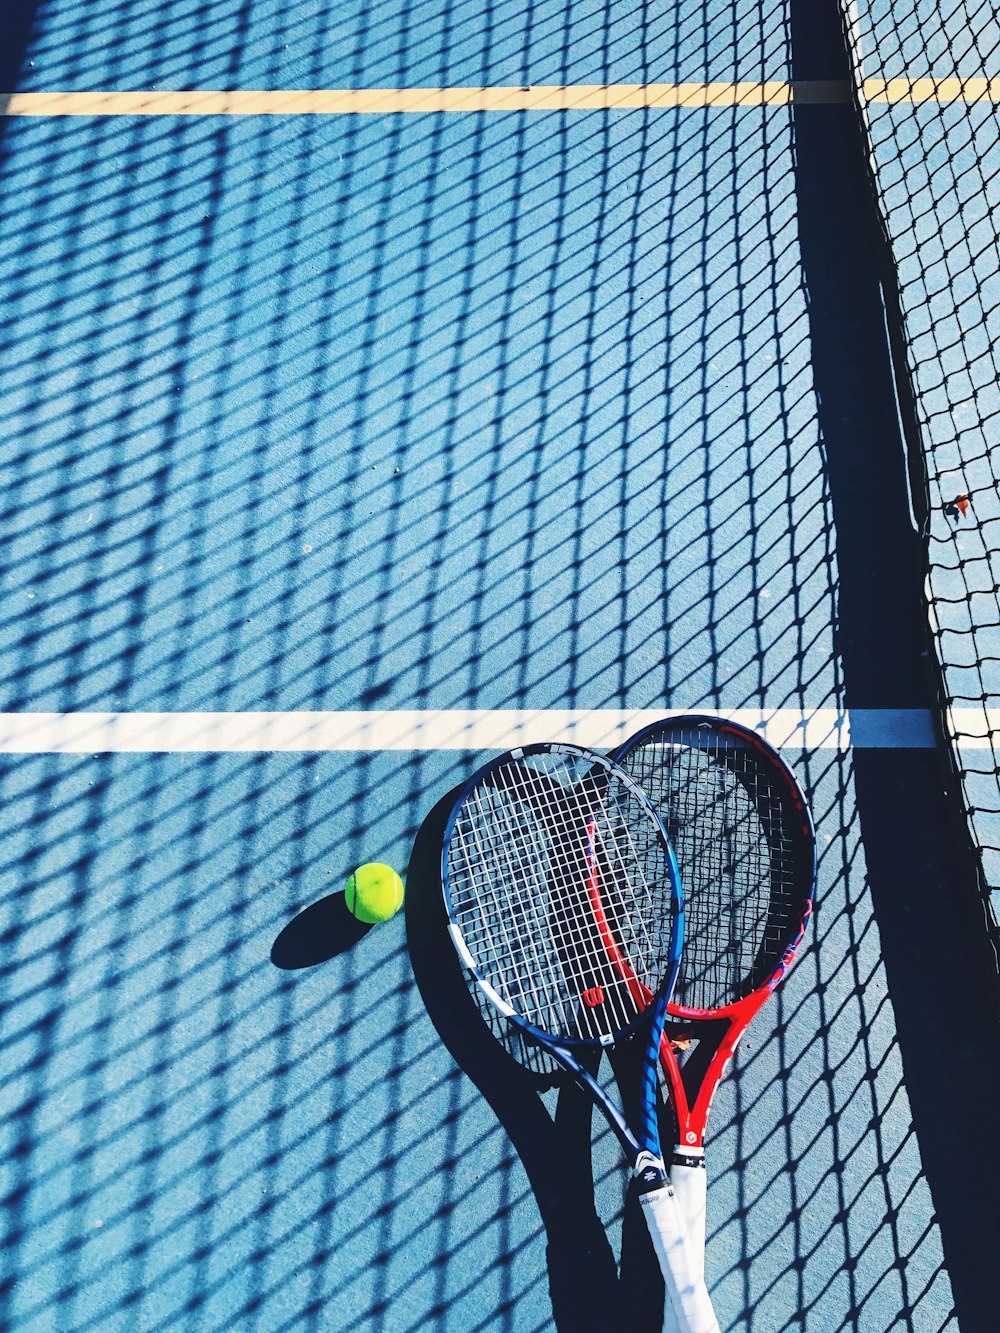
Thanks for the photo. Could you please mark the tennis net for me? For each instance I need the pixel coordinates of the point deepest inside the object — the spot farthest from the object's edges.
(927, 82)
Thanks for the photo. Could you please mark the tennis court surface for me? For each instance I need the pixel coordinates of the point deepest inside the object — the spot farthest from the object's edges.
(383, 386)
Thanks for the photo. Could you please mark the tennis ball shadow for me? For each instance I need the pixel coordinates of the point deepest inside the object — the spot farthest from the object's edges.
(319, 932)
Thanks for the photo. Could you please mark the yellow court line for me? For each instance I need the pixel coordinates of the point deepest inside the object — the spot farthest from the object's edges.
(581, 97)
(932, 90)
(385, 101)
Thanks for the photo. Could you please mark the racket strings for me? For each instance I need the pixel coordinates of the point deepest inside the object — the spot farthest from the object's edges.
(530, 846)
(542, 948)
(560, 859)
(532, 947)
(729, 821)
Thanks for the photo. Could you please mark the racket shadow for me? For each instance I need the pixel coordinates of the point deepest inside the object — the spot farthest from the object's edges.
(555, 1150)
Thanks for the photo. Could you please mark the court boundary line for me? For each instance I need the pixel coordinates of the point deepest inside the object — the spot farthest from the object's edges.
(578, 97)
(388, 101)
(542, 97)
(306, 732)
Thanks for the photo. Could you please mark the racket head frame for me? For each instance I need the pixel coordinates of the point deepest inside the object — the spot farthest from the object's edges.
(691, 1113)
(670, 963)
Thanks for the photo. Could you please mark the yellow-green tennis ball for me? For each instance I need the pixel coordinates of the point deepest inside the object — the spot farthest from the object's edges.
(374, 893)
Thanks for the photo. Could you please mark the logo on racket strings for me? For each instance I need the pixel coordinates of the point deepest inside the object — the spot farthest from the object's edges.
(593, 997)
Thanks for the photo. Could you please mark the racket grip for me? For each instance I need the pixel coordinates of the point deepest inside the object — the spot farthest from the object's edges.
(686, 1295)
(690, 1184)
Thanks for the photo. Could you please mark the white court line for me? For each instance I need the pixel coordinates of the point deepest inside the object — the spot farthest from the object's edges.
(455, 729)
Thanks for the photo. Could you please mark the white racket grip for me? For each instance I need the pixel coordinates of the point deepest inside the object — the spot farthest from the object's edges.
(690, 1184)
(688, 1295)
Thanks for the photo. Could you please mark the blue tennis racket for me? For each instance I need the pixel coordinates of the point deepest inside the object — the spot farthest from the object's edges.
(564, 902)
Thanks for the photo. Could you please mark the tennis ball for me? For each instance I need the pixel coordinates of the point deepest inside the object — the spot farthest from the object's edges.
(374, 892)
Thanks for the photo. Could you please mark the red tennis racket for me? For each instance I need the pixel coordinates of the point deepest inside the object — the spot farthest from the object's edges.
(746, 848)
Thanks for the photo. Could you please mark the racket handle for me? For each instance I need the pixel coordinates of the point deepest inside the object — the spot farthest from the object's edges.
(687, 1295)
(690, 1183)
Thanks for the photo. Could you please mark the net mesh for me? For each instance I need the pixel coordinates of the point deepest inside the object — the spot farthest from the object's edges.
(927, 81)
(743, 863)
(558, 880)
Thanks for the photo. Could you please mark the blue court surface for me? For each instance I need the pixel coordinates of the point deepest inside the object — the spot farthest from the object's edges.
(456, 428)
